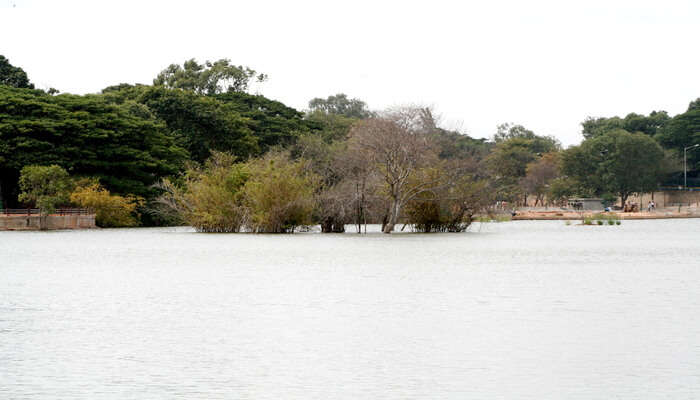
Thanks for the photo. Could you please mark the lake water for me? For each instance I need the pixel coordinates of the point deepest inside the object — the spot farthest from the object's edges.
(516, 310)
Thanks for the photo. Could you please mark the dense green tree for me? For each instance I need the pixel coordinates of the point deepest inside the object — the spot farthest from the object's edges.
(511, 131)
(515, 148)
(615, 162)
(13, 76)
(331, 127)
(124, 146)
(235, 122)
(694, 105)
(510, 156)
(124, 92)
(682, 131)
(340, 104)
(201, 124)
(45, 187)
(562, 188)
(456, 145)
(593, 127)
(209, 78)
(271, 122)
(649, 125)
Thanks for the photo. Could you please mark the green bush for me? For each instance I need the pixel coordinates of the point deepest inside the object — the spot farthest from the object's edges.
(110, 210)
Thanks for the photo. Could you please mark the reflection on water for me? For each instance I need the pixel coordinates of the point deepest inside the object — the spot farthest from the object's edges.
(519, 310)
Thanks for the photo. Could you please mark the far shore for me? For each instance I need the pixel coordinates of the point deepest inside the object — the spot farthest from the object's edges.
(667, 213)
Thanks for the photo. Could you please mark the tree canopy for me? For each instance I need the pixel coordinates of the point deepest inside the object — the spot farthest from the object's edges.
(615, 162)
(511, 157)
(13, 76)
(209, 78)
(45, 187)
(650, 124)
(271, 122)
(123, 145)
(683, 131)
(694, 105)
(340, 104)
(201, 124)
(515, 148)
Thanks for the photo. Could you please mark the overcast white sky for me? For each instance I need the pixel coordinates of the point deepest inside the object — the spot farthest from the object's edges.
(544, 64)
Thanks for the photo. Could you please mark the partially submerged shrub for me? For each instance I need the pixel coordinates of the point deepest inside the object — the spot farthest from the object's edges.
(447, 209)
(332, 209)
(214, 196)
(279, 194)
(272, 194)
(209, 197)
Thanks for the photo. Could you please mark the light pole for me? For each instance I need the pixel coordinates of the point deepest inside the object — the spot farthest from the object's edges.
(685, 164)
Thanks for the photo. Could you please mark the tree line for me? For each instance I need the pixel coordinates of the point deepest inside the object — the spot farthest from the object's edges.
(196, 147)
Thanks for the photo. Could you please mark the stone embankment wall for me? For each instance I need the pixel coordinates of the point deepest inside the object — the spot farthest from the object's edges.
(668, 198)
(50, 222)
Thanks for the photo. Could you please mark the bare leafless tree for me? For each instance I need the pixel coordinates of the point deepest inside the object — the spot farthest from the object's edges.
(398, 146)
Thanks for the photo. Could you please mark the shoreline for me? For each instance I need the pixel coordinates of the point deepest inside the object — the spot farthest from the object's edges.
(573, 215)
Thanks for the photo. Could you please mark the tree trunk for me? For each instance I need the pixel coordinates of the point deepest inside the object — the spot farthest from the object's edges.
(332, 225)
(358, 211)
(393, 217)
(388, 228)
(338, 226)
(327, 225)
